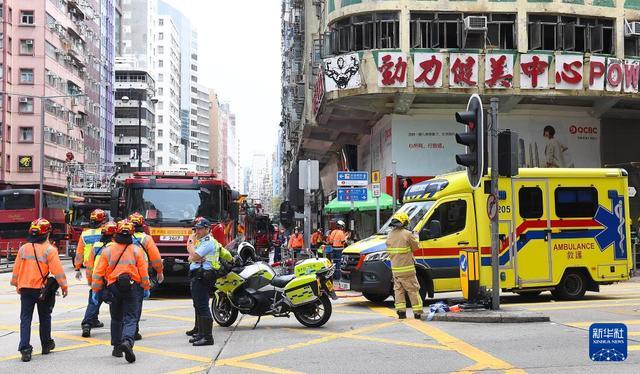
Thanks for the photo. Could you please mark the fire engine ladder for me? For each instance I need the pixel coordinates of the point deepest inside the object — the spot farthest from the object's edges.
(90, 179)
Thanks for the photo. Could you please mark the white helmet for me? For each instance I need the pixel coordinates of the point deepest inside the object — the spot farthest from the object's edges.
(340, 223)
(247, 253)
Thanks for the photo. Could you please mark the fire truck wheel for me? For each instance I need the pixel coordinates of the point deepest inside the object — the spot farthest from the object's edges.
(375, 297)
(572, 286)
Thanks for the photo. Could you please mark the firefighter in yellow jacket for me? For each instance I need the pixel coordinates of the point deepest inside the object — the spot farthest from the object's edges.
(400, 247)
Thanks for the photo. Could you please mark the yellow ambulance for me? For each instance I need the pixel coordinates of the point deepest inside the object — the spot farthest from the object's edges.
(561, 230)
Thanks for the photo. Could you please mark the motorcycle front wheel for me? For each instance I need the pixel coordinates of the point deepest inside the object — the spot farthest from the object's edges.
(223, 312)
(316, 314)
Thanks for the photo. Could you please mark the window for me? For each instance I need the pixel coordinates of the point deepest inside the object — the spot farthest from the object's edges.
(160, 49)
(160, 91)
(160, 132)
(160, 120)
(160, 63)
(365, 31)
(161, 36)
(194, 158)
(452, 216)
(160, 22)
(576, 201)
(568, 33)
(160, 146)
(530, 201)
(160, 77)
(159, 161)
(26, 46)
(25, 105)
(26, 76)
(27, 17)
(26, 135)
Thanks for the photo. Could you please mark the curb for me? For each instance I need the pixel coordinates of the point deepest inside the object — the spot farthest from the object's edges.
(488, 316)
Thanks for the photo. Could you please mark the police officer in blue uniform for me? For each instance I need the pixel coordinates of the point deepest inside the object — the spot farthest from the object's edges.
(203, 250)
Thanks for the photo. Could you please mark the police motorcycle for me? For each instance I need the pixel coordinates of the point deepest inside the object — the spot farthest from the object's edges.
(253, 288)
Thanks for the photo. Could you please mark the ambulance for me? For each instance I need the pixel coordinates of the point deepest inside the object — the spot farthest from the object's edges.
(561, 230)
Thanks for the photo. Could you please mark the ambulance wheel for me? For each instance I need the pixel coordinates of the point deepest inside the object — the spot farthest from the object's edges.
(223, 312)
(572, 286)
(375, 297)
(316, 314)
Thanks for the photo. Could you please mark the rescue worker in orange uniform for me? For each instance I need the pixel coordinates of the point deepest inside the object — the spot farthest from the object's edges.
(316, 240)
(91, 314)
(34, 262)
(123, 270)
(88, 237)
(296, 242)
(400, 247)
(151, 254)
(338, 240)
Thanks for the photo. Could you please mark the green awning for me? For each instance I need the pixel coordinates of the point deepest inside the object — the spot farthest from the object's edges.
(335, 206)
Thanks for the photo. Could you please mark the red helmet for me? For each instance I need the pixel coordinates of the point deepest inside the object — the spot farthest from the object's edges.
(109, 228)
(125, 227)
(40, 227)
(137, 219)
(98, 216)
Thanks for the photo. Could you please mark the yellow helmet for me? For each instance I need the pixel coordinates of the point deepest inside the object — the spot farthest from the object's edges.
(401, 217)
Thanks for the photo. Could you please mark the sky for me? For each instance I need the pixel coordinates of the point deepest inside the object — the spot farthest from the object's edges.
(239, 57)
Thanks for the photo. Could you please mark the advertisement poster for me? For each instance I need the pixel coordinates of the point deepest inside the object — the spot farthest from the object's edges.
(426, 146)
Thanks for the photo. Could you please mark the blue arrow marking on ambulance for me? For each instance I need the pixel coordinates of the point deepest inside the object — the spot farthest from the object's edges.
(613, 232)
(463, 262)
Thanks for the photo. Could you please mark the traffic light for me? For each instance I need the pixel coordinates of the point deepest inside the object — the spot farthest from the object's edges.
(473, 139)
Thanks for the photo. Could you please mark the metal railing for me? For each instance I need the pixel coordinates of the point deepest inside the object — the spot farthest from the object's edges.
(8, 253)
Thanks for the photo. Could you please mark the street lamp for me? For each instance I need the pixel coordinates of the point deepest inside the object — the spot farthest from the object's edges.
(125, 99)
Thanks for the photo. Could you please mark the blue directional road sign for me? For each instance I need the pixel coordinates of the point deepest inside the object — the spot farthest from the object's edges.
(352, 194)
(353, 178)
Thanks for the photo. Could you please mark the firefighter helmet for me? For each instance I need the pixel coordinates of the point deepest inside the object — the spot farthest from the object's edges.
(39, 227)
(98, 216)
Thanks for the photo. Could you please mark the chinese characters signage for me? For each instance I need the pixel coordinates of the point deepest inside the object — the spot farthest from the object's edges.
(25, 163)
(496, 71)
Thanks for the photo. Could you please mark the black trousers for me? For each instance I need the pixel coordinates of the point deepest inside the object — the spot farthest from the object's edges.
(28, 302)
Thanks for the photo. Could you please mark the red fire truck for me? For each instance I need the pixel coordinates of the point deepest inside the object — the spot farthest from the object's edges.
(170, 201)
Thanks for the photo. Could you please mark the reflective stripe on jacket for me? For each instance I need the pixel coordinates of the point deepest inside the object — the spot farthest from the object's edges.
(337, 238)
(83, 251)
(94, 259)
(109, 268)
(150, 249)
(400, 247)
(25, 270)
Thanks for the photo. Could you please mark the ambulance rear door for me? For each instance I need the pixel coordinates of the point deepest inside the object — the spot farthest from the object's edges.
(532, 225)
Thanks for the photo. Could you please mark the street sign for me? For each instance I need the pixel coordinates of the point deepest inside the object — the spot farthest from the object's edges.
(352, 194)
(375, 176)
(375, 189)
(492, 206)
(353, 178)
(305, 174)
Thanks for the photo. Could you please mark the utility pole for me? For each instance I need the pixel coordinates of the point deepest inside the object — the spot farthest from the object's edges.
(394, 186)
(495, 240)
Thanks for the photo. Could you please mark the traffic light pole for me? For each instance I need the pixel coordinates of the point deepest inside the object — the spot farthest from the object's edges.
(495, 239)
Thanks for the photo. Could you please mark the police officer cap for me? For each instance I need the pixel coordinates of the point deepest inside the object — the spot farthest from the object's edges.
(202, 222)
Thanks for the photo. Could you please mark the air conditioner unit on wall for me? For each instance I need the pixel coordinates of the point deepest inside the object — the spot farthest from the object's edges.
(475, 23)
(631, 28)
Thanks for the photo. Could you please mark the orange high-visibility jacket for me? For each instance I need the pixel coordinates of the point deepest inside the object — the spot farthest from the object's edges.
(337, 238)
(25, 270)
(87, 238)
(316, 238)
(132, 262)
(151, 249)
(296, 242)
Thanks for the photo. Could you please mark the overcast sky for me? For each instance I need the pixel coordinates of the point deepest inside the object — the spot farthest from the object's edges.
(239, 56)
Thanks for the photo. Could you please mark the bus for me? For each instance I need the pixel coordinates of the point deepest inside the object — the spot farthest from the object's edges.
(18, 207)
(170, 201)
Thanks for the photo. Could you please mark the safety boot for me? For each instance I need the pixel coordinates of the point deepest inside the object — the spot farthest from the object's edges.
(26, 354)
(117, 352)
(401, 314)
(417, 315)
(86, 331)
(48, 347)
(194, 330)
(97, 324)
(137, 336)
(127, 349)
(206, 332)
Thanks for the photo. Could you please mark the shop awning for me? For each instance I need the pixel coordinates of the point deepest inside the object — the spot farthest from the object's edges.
(335, 206)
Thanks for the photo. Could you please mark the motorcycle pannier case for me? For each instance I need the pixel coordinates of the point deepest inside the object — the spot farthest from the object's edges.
(302, 290)
(229, 282)
(311, 266)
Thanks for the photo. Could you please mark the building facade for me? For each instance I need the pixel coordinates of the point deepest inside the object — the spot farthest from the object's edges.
(199, 143)
(138, 33)
(188, 78)
(168, 126)
(215, 134)
(107, 78)
(49, 49)
(135, 120)
(394, 72)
